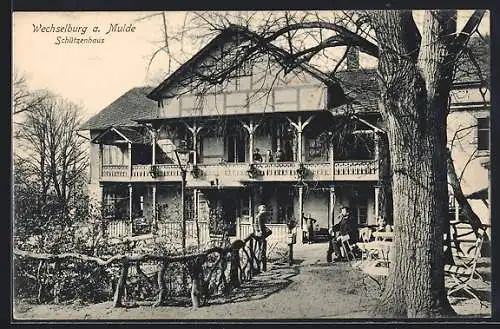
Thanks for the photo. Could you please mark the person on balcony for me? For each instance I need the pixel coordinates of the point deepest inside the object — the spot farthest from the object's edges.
(346, 228)
(257, 157)
(269, 156)
(280, 155)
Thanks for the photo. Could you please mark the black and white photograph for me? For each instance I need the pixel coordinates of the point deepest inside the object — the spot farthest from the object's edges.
(251, 165)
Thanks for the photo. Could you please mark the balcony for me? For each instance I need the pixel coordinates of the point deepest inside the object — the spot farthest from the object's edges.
(352, 170)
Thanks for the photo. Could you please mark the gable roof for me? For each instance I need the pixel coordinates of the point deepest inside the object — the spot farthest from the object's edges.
(360, 86)
(221, 38)
(124, 110)
(129, 135)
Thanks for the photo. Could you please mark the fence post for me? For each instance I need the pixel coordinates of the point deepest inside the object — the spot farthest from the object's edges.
(252, 257)
(238, 228)
(120, 287)
(161, 284)
(196, 284)
(263, 255)
(234, 278)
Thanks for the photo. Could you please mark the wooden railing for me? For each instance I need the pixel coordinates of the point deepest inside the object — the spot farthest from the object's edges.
(214, 271)
(118, 229)
(279, 236)
(356, 168)
(115, 171)
(238, 172)
(174, 231)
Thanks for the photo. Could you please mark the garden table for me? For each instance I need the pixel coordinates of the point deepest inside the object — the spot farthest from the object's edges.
(383, 236)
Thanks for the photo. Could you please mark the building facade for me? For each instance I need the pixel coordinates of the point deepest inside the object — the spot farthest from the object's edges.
(259, 137)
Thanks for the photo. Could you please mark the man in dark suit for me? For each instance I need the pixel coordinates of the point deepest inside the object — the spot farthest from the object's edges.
(346, 227)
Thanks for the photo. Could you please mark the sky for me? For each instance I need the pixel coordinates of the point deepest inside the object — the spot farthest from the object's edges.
(94, 75)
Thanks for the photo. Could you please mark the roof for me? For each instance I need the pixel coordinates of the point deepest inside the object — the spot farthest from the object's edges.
(361, 88)
(474, 64)
(224, 36)
(129, 134)
(128, 107)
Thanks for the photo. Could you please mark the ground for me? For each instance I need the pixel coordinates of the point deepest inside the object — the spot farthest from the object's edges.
(310, 289)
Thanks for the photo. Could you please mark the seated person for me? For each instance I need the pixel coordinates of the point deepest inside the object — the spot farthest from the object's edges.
(279, 156)
(381, 224)
(346, 228)
(257, 157)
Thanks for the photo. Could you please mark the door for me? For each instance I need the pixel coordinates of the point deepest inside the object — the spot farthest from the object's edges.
(235, 148)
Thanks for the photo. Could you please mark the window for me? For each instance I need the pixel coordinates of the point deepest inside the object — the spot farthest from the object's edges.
(115, 206)
(112, 155)
(483, 134)
(362, 215)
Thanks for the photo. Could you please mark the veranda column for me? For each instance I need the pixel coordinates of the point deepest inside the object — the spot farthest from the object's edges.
(250, 204)
(457, 209)
(196, 219)
(250, 128)
(130, 159)
(153, 156)
(376, 139)
(101, 160)
(130, 208)
(300, 232)
(194, 132)
(332, 161)
(299, 140)
(299, 128)
(155, 220)
(377, 206)
(331, 221)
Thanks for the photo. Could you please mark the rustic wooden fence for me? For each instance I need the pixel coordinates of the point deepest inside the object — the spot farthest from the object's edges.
(215, 271)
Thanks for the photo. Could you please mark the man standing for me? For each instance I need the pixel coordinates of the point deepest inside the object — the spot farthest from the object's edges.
(260, 228)
(310, 228)
(346, 228)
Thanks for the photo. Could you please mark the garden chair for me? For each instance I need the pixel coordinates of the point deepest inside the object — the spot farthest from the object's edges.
(378, 269)
(464, 272)
(365, 235)
(346, 248)
(466, 256)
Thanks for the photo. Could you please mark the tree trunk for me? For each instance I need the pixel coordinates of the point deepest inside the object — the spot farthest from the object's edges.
(414, 85)
(385, 176)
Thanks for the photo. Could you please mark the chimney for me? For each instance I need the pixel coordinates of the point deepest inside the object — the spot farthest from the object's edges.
(352, 59)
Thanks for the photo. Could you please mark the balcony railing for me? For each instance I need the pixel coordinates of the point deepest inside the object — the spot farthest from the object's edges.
(115, 171)
(272, 171)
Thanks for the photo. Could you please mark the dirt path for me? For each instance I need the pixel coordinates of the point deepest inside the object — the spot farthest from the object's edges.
(310, 289)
